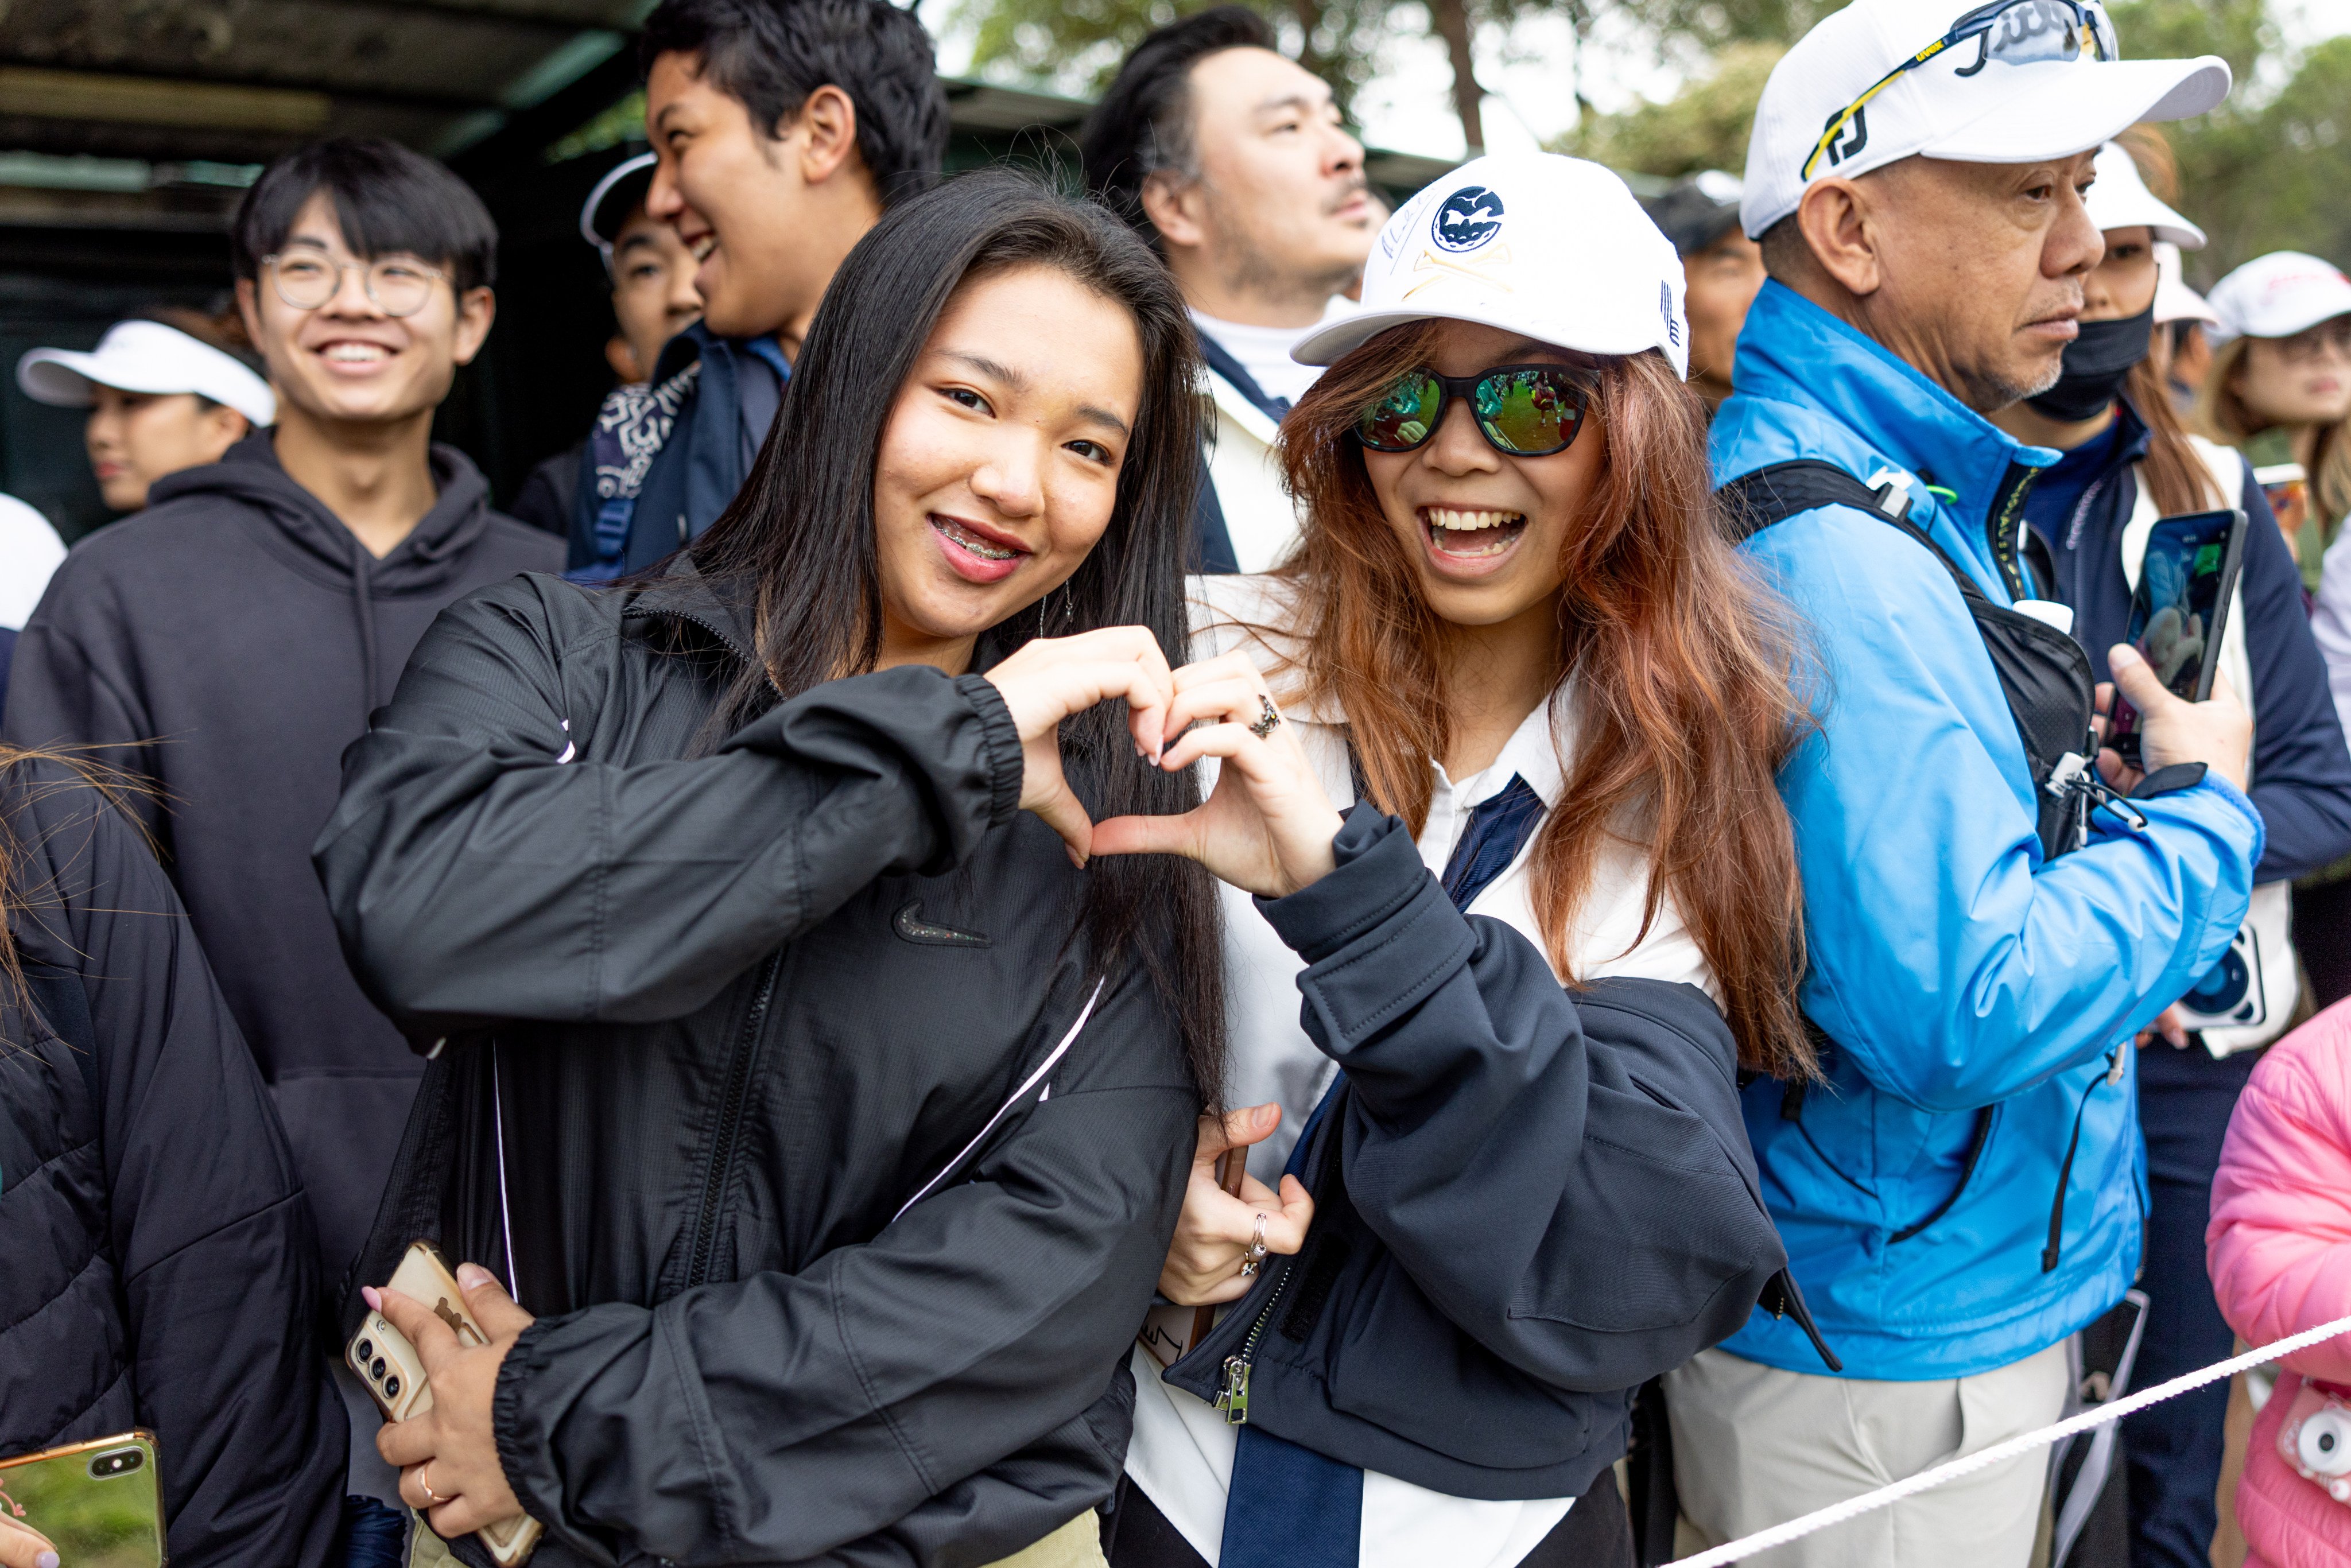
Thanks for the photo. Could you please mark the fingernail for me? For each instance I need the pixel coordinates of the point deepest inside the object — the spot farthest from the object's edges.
(473, 1277)
(368, 1294)
(46, 1560)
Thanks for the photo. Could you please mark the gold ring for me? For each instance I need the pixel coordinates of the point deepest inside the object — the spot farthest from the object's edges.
(426, 1488)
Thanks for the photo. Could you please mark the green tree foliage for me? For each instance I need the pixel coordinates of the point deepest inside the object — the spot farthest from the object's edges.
(1703, 126)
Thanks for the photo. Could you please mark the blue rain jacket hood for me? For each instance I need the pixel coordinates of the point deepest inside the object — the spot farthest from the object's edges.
(1966, 986)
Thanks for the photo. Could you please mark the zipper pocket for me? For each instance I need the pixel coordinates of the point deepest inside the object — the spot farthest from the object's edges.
(730, 1126)
(1232, 1394)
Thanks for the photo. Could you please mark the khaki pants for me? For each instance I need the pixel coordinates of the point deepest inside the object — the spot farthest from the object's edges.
(1077, 1545)
(1755, 1445)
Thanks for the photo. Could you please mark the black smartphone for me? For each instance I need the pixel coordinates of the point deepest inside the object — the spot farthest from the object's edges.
(2179, 610)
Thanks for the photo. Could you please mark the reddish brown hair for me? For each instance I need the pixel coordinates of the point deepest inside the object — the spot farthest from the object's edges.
(1683, 666)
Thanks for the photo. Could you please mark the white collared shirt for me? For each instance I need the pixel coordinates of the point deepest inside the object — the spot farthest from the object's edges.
(1182, 1452)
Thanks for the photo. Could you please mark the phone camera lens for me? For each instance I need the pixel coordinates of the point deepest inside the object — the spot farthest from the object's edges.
(392, 1388)
(376, 1370)
(367, 1350)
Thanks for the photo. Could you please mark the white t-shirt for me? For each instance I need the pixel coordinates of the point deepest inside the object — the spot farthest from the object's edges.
(1182, 1451)
(30, 551)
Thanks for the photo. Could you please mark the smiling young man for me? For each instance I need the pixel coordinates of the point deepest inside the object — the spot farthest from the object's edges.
(226, 644)
(1964, 1190)
(780, 130)
(1233, 161)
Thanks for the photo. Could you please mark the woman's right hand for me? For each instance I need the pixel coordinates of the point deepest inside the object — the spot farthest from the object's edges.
(1052, 678)
(1214, 1233)
(22, 1546)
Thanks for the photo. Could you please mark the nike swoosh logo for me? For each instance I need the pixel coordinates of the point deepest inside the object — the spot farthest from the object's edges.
(909, 924)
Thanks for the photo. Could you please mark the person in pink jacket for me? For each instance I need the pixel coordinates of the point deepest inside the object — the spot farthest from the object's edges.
(2279, 1248)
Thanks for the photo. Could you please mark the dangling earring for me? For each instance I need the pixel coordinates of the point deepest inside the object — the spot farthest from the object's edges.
(1069, 606)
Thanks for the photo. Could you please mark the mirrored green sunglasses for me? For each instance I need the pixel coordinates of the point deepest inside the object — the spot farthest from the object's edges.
(1522, 411)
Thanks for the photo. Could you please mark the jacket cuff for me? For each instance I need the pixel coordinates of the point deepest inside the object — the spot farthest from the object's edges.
(1378, 934)
(1378, 872)
(1002, 738)
(506, 1423)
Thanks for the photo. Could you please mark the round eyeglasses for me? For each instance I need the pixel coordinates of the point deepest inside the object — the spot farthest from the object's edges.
(397, 286)
(1522, 411)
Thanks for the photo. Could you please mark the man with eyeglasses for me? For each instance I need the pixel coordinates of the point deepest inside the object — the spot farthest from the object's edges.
(1963, 1190)
(226, 643)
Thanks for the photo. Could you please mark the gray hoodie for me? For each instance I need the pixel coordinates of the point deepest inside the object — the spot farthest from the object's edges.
(227, 643)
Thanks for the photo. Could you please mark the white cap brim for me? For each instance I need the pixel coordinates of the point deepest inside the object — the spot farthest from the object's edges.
(63, 377)
(2077, 107)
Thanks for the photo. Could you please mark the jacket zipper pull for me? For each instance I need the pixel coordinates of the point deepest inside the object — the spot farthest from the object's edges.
(1232, 1398)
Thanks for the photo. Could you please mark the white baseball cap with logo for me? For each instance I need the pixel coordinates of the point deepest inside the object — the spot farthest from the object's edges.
(2120, 200)
(2278, 295)
(1554, 249)
(2009, 82)
(146, 356)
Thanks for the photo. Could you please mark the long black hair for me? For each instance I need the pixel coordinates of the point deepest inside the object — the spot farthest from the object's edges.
(797, 547)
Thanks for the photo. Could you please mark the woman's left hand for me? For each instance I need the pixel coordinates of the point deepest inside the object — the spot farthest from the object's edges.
(1268, 825)
(449, 1457)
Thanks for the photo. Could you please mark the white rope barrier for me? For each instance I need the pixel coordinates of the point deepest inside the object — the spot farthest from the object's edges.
(1984, 1459)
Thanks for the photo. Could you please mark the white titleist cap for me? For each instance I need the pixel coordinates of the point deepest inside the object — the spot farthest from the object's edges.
(2025, 83)
(1552, 247)
(2278, 295)
(146, 356)
(2174, 300)
(2120, 200)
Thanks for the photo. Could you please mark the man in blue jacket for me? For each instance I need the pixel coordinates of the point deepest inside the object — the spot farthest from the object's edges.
(781, 128)
(1962, 1191)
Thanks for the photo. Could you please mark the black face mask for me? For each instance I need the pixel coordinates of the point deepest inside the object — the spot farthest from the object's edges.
(2096, 364)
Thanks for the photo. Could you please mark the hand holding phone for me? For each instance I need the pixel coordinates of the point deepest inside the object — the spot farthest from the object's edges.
(90, 1503)
(429, 1351)
(2179, 613)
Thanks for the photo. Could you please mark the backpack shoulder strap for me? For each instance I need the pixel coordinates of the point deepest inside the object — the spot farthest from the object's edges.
(1753, 502)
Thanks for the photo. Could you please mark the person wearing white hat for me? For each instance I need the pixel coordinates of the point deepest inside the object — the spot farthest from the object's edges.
(2126, 461)
(2182, 316)
(1960, 1195)
(161, 397)
(1514, 642)
(2279, 382)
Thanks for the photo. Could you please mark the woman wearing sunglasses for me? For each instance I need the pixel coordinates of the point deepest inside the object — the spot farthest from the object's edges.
(1561, 911)
(828, 1120)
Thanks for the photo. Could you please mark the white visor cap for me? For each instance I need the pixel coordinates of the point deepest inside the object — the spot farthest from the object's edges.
(1948, 107)
(2280, 294)
(1553, 248)
(146, 356)
(2174, 300)
(2120, 200)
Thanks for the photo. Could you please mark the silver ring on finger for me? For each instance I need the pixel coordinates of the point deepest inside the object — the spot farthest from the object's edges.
(1266, 718)
(1256, 1258)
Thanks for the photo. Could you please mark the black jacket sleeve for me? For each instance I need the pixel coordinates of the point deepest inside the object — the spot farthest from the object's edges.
(203, 1215)
(862, 1407)
(1504, 1133)
(473, 874)
(2301, 772)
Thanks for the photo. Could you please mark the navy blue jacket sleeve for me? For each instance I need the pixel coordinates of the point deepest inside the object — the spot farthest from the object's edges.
(1610, 1117)
(2302, 771)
